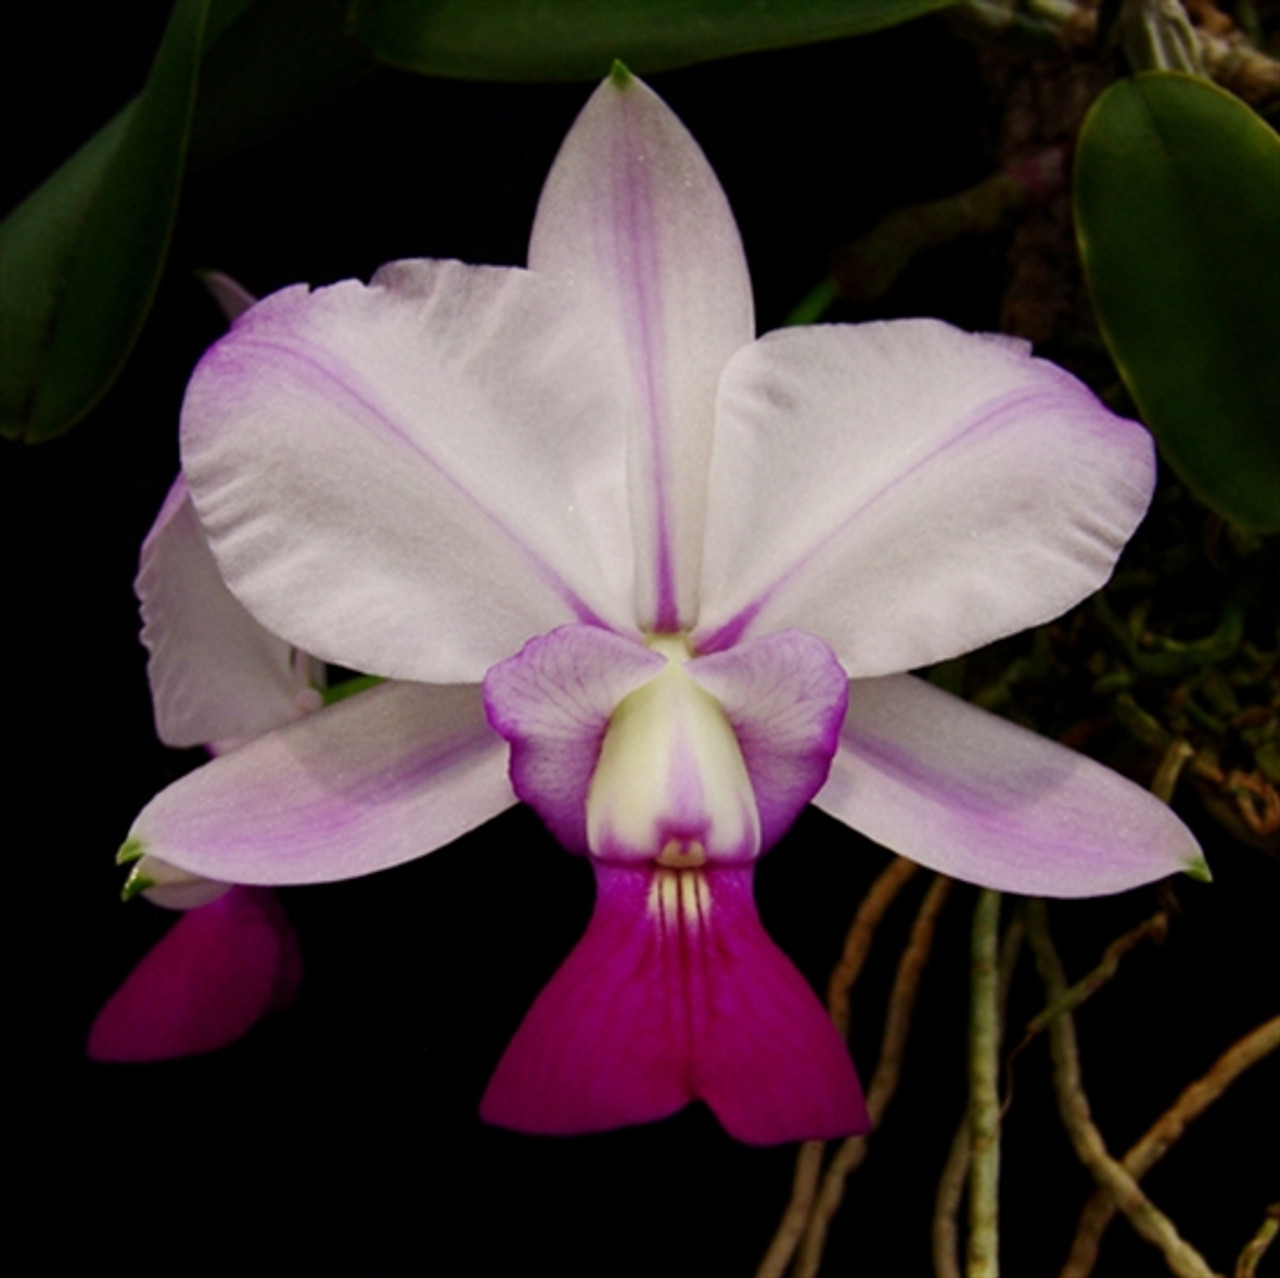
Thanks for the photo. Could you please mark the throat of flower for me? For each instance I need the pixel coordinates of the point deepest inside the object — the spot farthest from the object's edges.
(670, 784)
(679, 900)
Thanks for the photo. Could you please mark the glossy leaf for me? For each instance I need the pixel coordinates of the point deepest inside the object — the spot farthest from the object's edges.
(1177, 194)
(82, 256)
(579, 39)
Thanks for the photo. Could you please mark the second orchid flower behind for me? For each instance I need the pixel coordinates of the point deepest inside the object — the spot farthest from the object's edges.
(661, 581)
(217, 679)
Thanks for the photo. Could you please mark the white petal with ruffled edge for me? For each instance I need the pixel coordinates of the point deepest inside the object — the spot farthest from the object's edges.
(215, 673)
(410, 478)
(785, 695)
(981, 799)
(376, 780)
(908, 492)
(553, 701)
(633, 216)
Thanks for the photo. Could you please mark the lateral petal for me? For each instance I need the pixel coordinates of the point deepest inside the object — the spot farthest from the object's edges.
(378, 779)
(412, 477)
(217, 972)
(552, 701)
(676, 993)
(785, 696)
(976, 797)
(633, 216)
(908, 492)
(215, 673)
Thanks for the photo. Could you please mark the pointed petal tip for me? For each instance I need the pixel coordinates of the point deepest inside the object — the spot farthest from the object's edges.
(131, 850)
(1198, 868)
(620, 76)
(971, 795)
(231, 296)
(136, 884)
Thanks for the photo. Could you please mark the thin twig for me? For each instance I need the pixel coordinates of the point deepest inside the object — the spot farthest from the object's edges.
(984, 1091)
(786, 1237)
(1156, 927)
(884, 1081)
(1154, 1143)
(1073, 1106)
(946, 1205)
(945, 1229)
(1257, 1246)
(857, 945)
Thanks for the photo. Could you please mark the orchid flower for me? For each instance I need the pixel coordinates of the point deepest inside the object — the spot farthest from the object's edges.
(217, 679)
(662, 582)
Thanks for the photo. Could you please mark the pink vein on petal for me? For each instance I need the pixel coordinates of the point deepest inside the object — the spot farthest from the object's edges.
(632, 211)
(372, 413)
(991, 417)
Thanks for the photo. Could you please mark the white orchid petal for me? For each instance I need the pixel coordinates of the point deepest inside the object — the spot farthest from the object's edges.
(633, 216)
(215, 673)
(376, 780)
(908, 492)
(976, 797)
(410, 478)
(171, 888)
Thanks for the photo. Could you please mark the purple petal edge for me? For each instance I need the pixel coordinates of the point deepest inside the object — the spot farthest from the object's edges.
(785, 695)
(971, 795)
(552, 701)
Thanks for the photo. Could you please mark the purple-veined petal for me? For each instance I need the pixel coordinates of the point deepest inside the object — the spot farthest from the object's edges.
(209, 980)
(552, 701)
(634, 217)
(908, 492)
(785, 697)
(215, 673)
(676, 993)
(976, 797)
(376, 780)
(412, 477)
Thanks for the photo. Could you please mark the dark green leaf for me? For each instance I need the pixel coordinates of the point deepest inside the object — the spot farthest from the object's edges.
(579, 39)
(272, 65)
(1177, 194)
(37, 241)
(83, 255)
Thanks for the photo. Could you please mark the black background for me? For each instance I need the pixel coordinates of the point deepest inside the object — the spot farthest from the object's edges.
(346, 1127)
